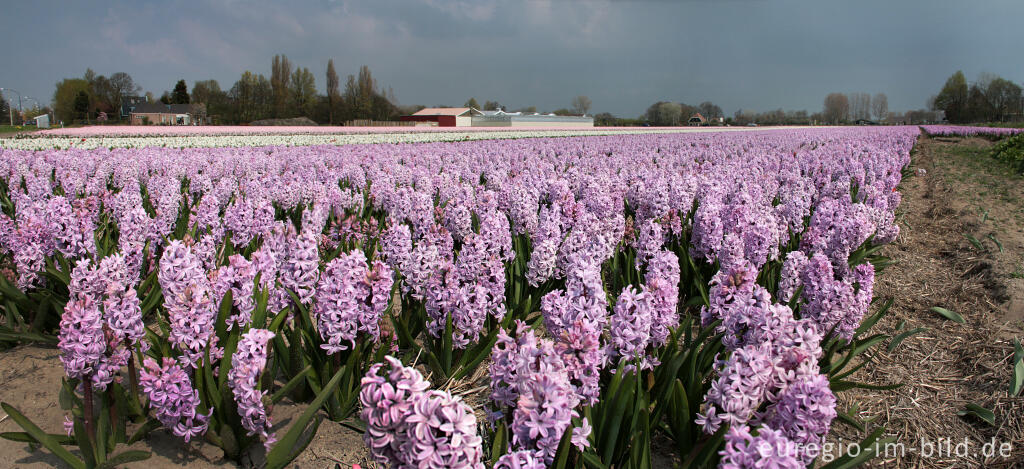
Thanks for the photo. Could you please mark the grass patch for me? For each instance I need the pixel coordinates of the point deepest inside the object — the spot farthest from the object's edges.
(9, 130)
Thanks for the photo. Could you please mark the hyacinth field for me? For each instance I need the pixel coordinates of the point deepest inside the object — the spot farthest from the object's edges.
(970, 131)
(555, 301)
(89, 138)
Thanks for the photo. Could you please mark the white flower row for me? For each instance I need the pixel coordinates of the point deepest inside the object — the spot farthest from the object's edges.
(214, 141)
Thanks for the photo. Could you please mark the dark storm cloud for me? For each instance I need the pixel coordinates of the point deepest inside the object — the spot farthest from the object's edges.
(623, 54)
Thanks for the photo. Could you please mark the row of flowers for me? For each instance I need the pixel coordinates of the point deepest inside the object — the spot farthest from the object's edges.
(171, 131)
(711, 287)
(88, 138)
(969, 131)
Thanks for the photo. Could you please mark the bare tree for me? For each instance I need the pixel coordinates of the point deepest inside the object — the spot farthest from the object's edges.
(664, 113)
(280, 73)
(880, 106)
(1003, 97)
(333, 90)
(837, 108)
(580, 104)
(860, 106)
(710, 110)
(122, 86)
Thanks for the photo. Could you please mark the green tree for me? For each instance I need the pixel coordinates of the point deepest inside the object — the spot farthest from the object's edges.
(242, 96)
(303, 92)
(333, 91)
(64, 98)
(472, 103)
(208, 93)
(953, 98)
(979, 109)
(205, 91)
(81, 105)
(102, 95)
(491, 106)
(180, 93)
(252, 98)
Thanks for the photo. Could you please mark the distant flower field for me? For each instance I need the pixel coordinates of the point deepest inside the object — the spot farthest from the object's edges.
(969, 131)
(241, 136)
(597, 288)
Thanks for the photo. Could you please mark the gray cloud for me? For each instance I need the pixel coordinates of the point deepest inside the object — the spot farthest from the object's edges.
(623, 54)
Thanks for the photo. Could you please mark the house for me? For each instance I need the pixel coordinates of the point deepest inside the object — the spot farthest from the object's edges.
(697, 120)
(128, 104)
(167, 114)
(443, 116)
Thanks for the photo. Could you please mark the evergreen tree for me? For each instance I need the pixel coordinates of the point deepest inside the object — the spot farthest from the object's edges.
(180, 94)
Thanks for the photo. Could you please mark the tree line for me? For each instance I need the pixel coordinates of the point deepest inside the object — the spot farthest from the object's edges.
(990, 98)
(666, 113)
(289, 92)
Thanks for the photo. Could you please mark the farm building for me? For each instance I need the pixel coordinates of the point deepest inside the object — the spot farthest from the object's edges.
(443, 116)
(697, 120)
(167, 114)
(529, 119)
(465, 117)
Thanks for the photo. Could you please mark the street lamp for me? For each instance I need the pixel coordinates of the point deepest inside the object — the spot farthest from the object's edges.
(19, 103)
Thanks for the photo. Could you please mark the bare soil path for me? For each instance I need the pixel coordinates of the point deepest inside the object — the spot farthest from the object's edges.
(961, 247)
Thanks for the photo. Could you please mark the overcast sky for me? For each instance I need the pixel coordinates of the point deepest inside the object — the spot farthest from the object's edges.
(624, 55)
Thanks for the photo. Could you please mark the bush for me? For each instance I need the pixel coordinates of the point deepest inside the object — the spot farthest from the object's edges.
(1011, 152)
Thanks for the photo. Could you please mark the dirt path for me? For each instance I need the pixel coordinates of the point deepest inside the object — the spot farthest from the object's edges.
(964, 195)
